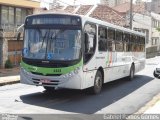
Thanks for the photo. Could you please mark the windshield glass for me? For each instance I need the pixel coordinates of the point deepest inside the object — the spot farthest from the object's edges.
(52, 44)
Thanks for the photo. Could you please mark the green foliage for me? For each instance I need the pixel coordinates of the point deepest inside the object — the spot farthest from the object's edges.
(158, 29)
(8, 64)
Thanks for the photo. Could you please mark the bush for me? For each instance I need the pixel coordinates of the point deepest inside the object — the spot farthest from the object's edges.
(8, 64)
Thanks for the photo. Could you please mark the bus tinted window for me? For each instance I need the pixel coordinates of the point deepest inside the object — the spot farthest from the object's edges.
(111, 39)
(119, 35)
(89, 41)
(126, 39)
(111, 34)
(119, 42)
(102, 39)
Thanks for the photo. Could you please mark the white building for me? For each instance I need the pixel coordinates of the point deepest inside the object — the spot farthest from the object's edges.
(143, 23)
(148, 24)
(155, 32)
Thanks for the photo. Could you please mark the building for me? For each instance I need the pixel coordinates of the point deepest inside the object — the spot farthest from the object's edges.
(143, 23)
(138, 1)
(155, 33)
(113, 3)
(125, 8)
(154, 6)
(12, 15)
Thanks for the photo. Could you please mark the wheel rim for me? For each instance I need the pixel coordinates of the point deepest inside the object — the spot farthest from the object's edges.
(98, 83)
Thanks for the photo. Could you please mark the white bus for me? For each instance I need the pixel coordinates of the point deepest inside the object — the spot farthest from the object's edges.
(78, 52)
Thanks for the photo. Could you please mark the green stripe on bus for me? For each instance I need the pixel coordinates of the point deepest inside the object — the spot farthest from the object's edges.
(45, 71)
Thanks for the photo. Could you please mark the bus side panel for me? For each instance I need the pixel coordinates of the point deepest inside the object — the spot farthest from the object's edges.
(140, 62)
(88, 79)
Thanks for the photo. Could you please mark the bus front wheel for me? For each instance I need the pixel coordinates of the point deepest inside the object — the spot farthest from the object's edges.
(49, 89)
(97, 83)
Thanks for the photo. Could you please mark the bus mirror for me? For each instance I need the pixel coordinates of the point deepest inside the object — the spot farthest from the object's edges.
(18, 36)
(20, 30)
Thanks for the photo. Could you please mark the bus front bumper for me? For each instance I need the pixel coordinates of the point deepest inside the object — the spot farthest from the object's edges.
(70, 80)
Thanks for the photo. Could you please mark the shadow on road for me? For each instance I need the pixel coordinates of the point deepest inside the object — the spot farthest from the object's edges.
(80, 102)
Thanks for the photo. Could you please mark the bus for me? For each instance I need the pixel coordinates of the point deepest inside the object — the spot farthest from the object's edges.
(78, 52)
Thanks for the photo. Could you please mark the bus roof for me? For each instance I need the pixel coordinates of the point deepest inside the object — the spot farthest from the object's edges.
(94, 20)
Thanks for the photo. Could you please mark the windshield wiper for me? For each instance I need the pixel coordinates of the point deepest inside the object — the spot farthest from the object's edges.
(47, 44)
(44, 39)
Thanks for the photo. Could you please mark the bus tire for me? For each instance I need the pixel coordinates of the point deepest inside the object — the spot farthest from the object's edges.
(98, 81)
(132, 72)
(155, 75)
(49, 89)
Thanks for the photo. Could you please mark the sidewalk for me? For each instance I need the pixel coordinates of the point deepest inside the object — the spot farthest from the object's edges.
(9, 76)
(152, 107)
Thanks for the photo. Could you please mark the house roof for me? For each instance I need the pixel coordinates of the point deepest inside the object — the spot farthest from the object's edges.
(70, 9)
(101, 12)
(84, 9)
(125, 7)
(105, 13)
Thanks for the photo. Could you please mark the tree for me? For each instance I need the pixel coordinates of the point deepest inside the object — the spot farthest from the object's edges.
(158, 29)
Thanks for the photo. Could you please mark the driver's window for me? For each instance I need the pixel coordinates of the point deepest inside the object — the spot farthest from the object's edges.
(89, 41)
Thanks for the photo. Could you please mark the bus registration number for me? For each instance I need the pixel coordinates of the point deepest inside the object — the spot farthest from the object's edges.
(45, 81)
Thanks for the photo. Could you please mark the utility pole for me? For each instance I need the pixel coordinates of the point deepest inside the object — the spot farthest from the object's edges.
(131, 14)
(74, 2)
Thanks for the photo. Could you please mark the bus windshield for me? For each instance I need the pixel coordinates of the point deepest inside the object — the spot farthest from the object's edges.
(52, 44)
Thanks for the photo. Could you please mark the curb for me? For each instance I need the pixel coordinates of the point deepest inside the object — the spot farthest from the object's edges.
(9, 80)
(148, 105)
(9, 83)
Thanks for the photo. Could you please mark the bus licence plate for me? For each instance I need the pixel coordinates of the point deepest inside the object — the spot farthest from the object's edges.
(45, 81)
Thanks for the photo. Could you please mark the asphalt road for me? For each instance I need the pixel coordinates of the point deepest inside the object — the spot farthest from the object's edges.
(117, 97)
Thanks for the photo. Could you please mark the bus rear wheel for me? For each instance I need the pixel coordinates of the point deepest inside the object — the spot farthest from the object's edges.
(132, 72)
(97, 83)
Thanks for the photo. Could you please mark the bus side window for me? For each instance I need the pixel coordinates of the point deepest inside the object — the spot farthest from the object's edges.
(142, 42)
(102, 39)
(89, 41)
(119, 42)
(126, 41)
(111, 39)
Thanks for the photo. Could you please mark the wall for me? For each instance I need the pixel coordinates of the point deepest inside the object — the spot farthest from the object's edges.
(4, 52)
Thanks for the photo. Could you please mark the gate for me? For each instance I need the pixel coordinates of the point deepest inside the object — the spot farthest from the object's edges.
(14, 51)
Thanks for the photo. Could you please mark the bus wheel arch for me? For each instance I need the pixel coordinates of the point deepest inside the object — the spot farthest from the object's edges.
(98, 82)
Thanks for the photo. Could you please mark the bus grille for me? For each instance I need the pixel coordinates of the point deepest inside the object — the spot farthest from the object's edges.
(52, 82)
(46, 74)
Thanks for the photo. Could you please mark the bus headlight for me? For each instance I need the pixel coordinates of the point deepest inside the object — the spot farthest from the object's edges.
(72, 73)
(76, 71)
(24, 71)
